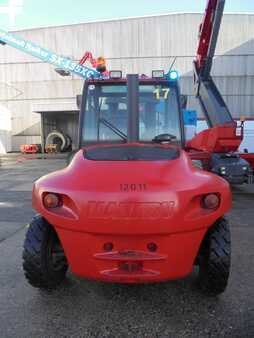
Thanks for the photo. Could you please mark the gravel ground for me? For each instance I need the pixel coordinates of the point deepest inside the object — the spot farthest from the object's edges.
(81, 308)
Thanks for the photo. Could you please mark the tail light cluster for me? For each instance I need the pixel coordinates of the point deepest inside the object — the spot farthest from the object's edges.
(52, 201)
(210, 201)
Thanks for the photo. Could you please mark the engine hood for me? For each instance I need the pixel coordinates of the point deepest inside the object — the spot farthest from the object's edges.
(131, 189)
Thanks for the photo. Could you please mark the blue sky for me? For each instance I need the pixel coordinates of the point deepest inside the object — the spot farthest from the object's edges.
(34, 13)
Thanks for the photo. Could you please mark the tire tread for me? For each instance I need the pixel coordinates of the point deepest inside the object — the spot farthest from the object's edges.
(215, 263)
(34, 256)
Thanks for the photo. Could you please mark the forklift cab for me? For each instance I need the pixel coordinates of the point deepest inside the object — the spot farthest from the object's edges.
(131, 110)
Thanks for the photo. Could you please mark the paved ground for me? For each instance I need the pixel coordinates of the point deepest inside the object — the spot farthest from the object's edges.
(83, 308)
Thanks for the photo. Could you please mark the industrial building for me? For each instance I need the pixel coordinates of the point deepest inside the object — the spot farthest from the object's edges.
(34, 99)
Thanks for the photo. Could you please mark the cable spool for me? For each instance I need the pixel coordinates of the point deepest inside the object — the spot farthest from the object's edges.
(63, 141)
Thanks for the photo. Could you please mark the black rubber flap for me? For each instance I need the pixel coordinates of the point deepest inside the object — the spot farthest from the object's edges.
(132, 153)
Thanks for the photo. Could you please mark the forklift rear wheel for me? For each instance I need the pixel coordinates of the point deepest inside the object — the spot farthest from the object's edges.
(214, 261)
(44, 262)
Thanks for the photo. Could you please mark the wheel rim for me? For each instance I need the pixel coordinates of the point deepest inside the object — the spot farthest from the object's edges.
(55, 254)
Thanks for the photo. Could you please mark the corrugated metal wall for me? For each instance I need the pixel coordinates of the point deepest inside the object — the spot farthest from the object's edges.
(5, 130)
(133, 45)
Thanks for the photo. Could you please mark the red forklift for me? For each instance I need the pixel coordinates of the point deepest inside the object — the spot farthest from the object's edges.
(138, 203)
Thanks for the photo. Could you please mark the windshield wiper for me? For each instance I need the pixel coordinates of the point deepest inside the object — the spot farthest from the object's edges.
(114, 129)
(164, 138)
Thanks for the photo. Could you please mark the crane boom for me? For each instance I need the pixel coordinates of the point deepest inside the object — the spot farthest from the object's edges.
(46, 55)
(223, 137)
(210, 99)
(208, 36)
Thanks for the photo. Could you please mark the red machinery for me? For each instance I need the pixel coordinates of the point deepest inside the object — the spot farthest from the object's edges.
(134, 206)
(128, 228)
(221, 141)
(99, 64)
(30, 148)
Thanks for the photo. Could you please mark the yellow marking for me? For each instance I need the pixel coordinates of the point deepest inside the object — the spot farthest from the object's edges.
(157, 93)
(162, 93)
(166, 92)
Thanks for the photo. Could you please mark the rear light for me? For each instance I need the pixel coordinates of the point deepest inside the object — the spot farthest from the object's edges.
(51, 201)
(173, 75)
(115, 74)
(211, 202)
(158, 74)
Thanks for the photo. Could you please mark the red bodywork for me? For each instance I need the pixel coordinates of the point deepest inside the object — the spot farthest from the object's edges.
(219, 139)
(153, 233)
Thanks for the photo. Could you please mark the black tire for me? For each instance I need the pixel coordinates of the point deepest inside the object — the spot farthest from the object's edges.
(69, 143)
(44, 262)
(215, 258)
(57, 137)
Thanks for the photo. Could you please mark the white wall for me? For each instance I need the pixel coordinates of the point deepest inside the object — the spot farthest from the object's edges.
(5, 130)
(248, 142)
